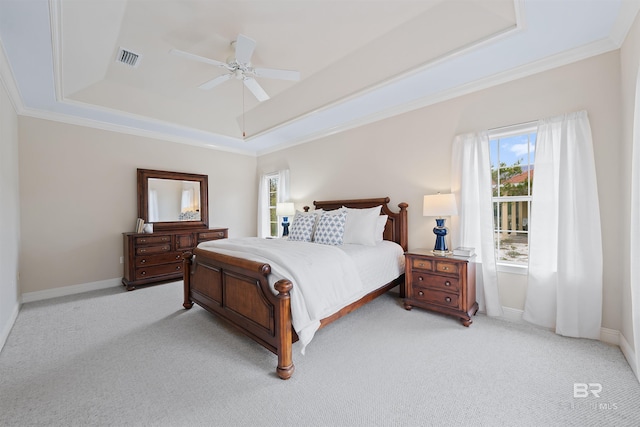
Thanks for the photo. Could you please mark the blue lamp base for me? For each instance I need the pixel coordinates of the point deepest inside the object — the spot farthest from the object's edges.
(441, 244)
(285, 226)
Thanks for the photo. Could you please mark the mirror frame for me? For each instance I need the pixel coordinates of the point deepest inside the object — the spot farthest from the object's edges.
(143, 198)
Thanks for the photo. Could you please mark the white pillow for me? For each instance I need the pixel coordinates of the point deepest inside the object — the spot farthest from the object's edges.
(382, 223)
(303, 225)
(360, 227)
(330, 227)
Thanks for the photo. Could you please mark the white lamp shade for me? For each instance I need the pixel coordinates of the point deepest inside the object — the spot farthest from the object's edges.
(285, 209)
(439, 205)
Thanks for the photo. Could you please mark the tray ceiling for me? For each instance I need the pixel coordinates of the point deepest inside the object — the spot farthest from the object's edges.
(359, 60)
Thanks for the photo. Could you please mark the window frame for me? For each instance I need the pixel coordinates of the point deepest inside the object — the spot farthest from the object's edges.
(497, 134)
(271, 209)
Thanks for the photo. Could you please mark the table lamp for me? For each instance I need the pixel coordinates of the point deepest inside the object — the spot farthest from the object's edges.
(440, 205)
(285, 210)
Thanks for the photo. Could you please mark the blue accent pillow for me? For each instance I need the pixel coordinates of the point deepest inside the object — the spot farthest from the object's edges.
(330, 228)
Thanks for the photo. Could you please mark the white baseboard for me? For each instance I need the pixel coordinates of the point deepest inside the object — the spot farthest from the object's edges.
(512, 314)
(6, 329)
(629, 354)
(609, 336)
(70, 290)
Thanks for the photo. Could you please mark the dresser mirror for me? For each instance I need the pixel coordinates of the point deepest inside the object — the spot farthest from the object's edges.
(173, 200)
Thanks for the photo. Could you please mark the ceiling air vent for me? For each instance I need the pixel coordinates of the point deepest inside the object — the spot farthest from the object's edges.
(128, 57)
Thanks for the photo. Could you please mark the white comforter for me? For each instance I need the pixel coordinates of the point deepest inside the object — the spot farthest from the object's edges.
(325, 278)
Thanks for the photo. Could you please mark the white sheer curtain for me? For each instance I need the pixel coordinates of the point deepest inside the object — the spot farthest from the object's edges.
(565, 245)
(264, 229)
(471, 184)
(634, 229)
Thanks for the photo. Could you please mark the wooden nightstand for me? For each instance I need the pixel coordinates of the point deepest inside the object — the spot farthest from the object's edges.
(445, 284)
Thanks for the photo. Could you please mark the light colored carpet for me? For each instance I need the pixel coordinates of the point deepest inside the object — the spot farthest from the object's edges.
(113, 357)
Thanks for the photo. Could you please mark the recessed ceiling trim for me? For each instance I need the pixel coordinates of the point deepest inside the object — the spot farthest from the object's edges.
(546, 64)
(493, 38)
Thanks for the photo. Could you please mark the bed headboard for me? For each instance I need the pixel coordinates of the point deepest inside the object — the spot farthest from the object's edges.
(396, 228)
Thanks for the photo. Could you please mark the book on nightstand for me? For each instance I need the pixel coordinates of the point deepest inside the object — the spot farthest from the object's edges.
(464, 251)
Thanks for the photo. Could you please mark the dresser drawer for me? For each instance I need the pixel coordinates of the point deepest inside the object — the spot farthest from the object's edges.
(152, 240)
(158, 270)
(444, 283)
(446, 299)
(421, 264)
(211, 235)
(145, 260)
(148, 250)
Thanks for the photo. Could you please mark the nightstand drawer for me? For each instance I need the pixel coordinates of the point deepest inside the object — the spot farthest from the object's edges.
(421, 264)
(446, 267)
(444, 283)
(432, 296)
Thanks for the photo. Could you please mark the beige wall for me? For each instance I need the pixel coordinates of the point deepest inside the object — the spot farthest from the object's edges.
(409, 155)
(78, 194)
(9, 215)
(630, 66)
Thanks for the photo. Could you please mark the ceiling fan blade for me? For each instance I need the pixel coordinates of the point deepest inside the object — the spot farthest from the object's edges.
(198, 58)
(244, 48)
(255, 88)
(215, 82)
(271, 73)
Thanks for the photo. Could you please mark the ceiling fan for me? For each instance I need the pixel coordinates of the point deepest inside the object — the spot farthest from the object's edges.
(239, 67)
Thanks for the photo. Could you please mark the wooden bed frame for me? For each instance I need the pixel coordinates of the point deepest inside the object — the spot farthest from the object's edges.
(238, 289)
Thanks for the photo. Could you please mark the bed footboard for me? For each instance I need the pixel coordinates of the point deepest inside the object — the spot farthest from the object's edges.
(238, 290)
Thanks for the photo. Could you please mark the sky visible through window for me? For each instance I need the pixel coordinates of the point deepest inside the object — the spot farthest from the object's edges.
(514, 148)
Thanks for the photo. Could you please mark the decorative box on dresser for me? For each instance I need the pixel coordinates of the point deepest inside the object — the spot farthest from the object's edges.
(157, 257)
(445, 284)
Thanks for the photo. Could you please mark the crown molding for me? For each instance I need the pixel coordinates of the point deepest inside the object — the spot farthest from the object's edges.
(9, 82)
(628, 12)
(95, 124)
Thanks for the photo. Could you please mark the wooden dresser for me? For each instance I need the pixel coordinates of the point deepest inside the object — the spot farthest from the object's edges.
(157, 257)
(445, 284)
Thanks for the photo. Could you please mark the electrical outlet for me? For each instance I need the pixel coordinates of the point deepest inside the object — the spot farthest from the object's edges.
(121, 260)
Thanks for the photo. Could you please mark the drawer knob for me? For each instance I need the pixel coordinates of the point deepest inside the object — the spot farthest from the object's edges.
(178, 267)
(420, 278)
(445, 268)
(143, 273)
(421, 264)
(165, 239)
(448, 299)
(177, 256)
(143, 250)
(165, 248)
(420, 293)
(142, 261)
(447, 283)
(143, 240)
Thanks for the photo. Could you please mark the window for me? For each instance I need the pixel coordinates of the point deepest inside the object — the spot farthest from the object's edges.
(272, 188)
(512, 159)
